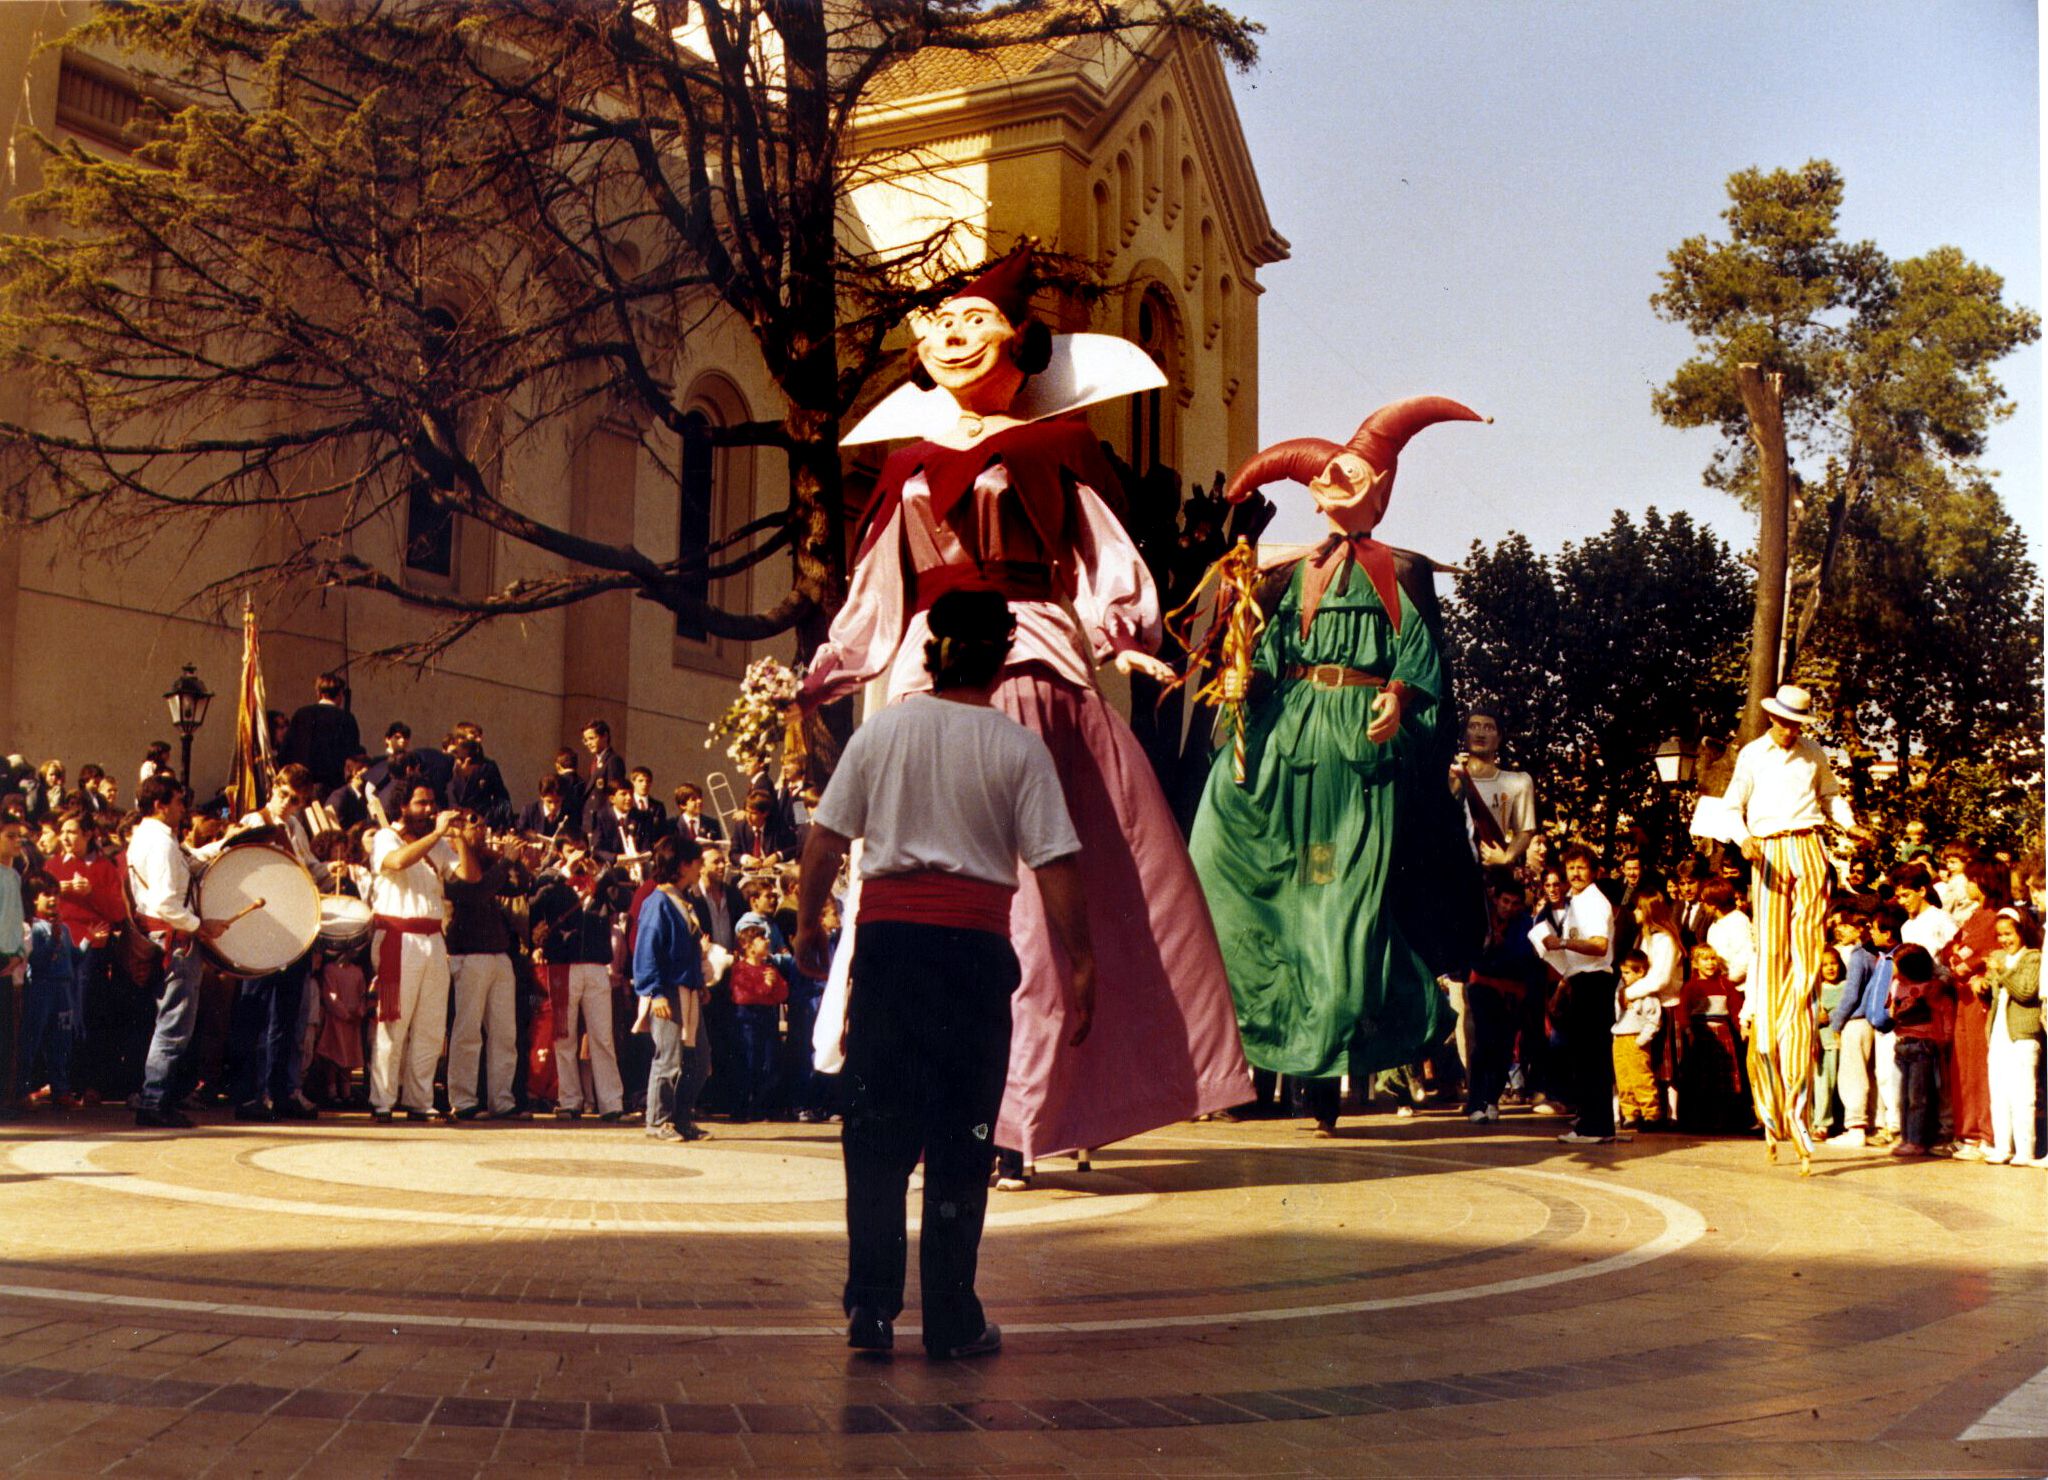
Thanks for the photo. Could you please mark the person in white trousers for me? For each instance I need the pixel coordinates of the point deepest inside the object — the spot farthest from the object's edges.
(480, 975)
(408, 862)
(2015, 1040)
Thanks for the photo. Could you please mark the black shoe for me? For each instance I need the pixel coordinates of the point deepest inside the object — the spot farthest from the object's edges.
(568, 1115)
(989, 1342)
(258, 1112)
(293, 1110)
(470, 1112)
(612, 1116)
(165, 1119)
(382, 1117)
(419, 1115)
(868, 1332)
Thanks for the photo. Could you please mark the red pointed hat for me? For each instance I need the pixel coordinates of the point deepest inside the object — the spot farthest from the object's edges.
(1006, 283)
(1378, 440)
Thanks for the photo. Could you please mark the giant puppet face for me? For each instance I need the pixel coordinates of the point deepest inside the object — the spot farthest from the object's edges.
(968, 348)
(1351, 493)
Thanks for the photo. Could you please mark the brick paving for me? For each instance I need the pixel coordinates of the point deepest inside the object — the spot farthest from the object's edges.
(1412, 1297)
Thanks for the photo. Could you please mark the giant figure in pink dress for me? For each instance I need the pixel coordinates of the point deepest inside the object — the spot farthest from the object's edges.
(1002, 493)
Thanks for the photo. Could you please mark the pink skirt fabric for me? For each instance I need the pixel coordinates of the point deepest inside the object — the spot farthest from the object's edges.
(1164, 1046)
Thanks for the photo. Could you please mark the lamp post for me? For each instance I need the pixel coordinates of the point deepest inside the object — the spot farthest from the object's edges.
(1676, 762)
(187, 700)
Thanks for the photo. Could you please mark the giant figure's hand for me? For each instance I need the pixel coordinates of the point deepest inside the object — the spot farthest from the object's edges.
(1386, 717)
(1131, 661)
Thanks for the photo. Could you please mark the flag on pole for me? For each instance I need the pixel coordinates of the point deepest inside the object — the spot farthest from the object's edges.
(249, 778)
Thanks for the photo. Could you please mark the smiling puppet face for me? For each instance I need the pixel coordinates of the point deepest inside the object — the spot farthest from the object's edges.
(968, 348)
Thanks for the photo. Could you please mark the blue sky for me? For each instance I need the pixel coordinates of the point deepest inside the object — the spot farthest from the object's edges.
(1479, 198)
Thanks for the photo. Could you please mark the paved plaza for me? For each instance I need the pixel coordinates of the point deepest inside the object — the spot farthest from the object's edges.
(1413, 1297)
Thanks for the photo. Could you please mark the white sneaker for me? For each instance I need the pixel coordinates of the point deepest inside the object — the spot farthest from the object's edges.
(1492, 1113)
(1573, 1138)
(1477, 1117)
(1853, 1139)
(1405, 1112)
(1997, 1158)
(1544, 1107)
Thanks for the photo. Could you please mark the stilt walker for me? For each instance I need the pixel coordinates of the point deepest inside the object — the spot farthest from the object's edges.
(1782, 794)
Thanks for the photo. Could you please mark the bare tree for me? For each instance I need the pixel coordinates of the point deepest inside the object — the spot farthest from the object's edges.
(365, 250)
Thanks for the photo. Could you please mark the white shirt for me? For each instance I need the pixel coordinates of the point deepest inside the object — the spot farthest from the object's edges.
(1587, 916)
(1931, 930)
(1511, 797)
(1663, 980)
(1778, 790)
(160, 876)
(931, 784)
(415, 892)
(1734, 941)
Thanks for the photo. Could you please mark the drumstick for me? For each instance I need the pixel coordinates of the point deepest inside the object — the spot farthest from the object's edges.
(248, 909)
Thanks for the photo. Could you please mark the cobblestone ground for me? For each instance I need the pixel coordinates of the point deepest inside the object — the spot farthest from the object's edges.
(1413, 1297)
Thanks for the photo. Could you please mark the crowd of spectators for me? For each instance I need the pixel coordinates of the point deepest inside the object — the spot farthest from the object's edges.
(542, 1016)
(1927, 1006)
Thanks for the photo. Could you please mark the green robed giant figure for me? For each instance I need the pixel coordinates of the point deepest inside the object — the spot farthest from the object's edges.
(1328, 844)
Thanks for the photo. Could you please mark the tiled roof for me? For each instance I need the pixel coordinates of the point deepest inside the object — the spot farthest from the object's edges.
(940, 69)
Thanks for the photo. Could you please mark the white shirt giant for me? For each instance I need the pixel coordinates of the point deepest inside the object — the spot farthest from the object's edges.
(1779, 790)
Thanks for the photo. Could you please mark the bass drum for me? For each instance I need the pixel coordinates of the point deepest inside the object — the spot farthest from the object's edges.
(272, 900)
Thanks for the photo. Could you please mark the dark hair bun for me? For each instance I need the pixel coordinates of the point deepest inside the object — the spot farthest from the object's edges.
(1034, 347)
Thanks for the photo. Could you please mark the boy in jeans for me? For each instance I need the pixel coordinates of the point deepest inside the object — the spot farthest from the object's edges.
(1923, 1011)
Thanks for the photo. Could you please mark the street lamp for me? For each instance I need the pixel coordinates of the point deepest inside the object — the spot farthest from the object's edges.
(1676, 761)
(187, 700)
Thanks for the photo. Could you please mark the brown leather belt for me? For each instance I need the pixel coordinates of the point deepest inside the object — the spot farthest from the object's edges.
(1336, 676)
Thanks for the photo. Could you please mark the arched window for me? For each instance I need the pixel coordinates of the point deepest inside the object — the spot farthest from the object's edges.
(714, 493)
(1151, 440)
(1106, 242)
(697, 493)
(429, 523)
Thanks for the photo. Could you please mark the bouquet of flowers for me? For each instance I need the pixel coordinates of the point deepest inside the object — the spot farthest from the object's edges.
(753, 722)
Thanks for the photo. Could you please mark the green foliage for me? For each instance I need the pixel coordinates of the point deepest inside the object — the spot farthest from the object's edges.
(1599, 653)
(1917, 613)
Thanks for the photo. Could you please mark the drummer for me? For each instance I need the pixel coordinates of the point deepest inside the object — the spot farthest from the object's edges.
(263, 1029)
(160, 882)
(408, 862)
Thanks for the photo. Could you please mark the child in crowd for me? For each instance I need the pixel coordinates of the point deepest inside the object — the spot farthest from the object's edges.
(338, 1051)
(2015, 978)
(46, 1021)
(1834, 979)
(1922, 1011)
(1637, 1016)
(1712, 1096)
(760, 987)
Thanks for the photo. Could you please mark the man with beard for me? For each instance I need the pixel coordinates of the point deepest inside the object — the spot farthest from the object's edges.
(409, 862)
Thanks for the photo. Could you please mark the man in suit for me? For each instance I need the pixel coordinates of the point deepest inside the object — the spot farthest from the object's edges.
(646, 806)
(321, 736)
(350, 801)
(476, 785)
(607, 769)
(546, 815)
(614, 827)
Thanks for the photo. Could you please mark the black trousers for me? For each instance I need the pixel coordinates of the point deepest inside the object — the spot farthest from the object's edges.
(1589, 1050)
(1490, 1030)
(927, 1052)
(263, 1036)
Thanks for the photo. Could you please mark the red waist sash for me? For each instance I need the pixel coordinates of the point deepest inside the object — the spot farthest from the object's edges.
(394, 926)
(929, 897)
(1019, 580)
